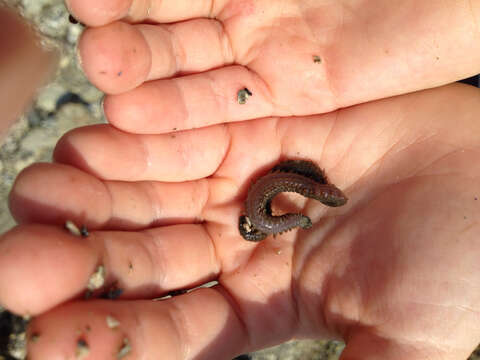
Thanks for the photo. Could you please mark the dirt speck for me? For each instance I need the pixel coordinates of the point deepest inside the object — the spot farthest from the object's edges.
(113, 292)
(243, 95)
(82, 350)
(84, 231)
(125, 349)
(72, 228)
(112, 322)
(97, 279)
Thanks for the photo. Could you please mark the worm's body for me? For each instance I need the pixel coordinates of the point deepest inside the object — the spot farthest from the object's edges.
(302, 177)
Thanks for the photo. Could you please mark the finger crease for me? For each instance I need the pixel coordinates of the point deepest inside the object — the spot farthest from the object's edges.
(157, 268)
(235, 306)
(226, 45)
(110, 196)
(179, 320)
(212, 9)
(213, 251)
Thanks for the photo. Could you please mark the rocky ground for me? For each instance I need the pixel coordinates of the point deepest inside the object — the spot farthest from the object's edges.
(67, 102)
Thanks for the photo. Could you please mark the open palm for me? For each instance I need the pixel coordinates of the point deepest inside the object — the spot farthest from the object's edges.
(393, 272)
(296, 57)
(376, 271)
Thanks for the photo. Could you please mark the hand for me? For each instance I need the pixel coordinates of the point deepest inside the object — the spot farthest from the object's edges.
(196, 65)
(369, 272)
(393, 272)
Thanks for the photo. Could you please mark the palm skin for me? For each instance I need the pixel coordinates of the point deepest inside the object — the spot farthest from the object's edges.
(393, 272)
(379, 271)
(367, 50)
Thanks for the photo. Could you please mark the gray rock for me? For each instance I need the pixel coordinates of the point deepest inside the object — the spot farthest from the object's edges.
(305, 350)
(33, 8)
(47, 98)
(53, 20)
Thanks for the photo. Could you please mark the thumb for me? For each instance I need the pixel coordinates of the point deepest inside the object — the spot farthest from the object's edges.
(25, 65)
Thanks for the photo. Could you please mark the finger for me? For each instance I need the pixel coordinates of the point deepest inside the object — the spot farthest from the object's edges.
(54, 193)
(42, 266)
(25, 65)
(198, 325)
(390, 64)
(174, 157)
(96, 13)
(190, 102)
(119, 57)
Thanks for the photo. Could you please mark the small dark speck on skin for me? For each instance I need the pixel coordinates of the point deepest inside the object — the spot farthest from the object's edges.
(120, 73)
(317, 59)
(177, 292)
(476, 198)
(103, 72)
(82, 350)
(84, 231)
(465, 218)
(114, 292)
(82, 342)
(173, 136)
(174, 129)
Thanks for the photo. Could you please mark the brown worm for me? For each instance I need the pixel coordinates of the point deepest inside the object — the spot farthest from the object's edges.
(300, 176)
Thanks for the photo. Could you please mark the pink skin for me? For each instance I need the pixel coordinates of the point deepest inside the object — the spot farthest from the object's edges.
(368, 50)
(394, 272)
(24, 66)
